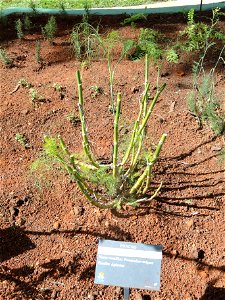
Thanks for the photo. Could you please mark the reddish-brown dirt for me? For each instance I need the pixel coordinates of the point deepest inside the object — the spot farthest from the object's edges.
(49, 232)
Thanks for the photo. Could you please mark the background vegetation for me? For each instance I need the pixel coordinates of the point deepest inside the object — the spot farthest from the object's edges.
(73, 3)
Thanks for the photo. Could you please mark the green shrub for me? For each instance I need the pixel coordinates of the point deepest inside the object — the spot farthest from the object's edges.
(50, 29)
(19, 29)
(123, 181)
(5, 58)
(203, 100)
(198, 34)
(85, 40)
(27, 23)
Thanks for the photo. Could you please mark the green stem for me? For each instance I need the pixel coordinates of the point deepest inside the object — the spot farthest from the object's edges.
(150, 164)
(115, 144)
(85, 141)
(133, 141)
(146, 82)
(148, 114)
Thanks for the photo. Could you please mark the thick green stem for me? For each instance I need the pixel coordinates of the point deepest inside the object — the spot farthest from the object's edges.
(146, 82)
(150, 164)
(140, 133)
(115, 144)
(85, 141)
(148, 114)
(133, 141)
(126, 156)
(148, 178)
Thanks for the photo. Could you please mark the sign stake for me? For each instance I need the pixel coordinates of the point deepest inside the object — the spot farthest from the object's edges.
(126, 293)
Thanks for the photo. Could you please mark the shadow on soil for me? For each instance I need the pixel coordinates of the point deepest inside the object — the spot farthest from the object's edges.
(213, 293)
(26, 281)
(16, 237)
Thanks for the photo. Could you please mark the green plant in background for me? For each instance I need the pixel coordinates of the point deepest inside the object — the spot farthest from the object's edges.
(32, 5)
(134, 18)
(19, 29)
(62, 7)
(21, 138)
(5, 58)
(50, 29)
(27, 23)
(202, 100)
(198, 34)
(149, 43)
(121, 182)
(85, 40)
(112, 39)
(38, 52)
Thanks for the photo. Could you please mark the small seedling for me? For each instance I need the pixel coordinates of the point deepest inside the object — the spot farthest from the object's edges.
(5, 58)
(27, 23)
(73, 119)
(222, 156)
(19, 29)
(24, 83)
(21, 138)
(84, 65)
(38, 52)
(57, 87)
(21, 83)
(96, 90)
(49, 30)
(35, 97)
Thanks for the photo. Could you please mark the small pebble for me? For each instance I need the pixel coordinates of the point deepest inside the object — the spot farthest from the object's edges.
(56, 225)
